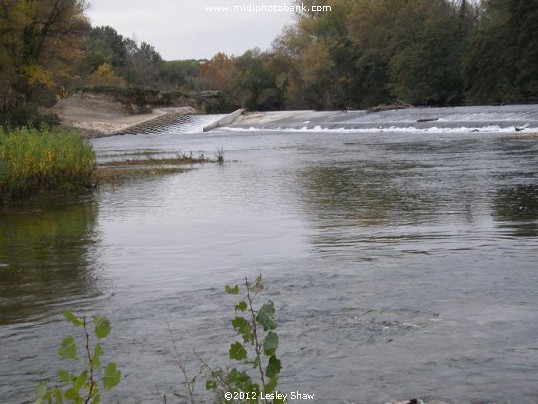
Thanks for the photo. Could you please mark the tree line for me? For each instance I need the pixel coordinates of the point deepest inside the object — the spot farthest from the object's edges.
(359, 54)
(48, 49)
(368, 52)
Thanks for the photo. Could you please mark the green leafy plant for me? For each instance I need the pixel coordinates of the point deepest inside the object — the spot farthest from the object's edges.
(40, 160)
(85, 387)
(256, 349)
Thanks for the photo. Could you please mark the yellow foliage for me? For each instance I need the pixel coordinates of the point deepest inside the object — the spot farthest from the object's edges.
(105, 76)
(38, 76)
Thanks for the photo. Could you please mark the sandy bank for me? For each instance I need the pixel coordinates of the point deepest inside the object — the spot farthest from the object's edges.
(95, 115)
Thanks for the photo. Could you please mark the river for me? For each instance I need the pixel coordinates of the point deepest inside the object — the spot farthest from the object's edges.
(402, 263)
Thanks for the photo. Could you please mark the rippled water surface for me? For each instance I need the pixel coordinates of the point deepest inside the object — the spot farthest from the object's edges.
(401, 264)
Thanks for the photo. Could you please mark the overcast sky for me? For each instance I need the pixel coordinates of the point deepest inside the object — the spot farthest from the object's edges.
(183, 29)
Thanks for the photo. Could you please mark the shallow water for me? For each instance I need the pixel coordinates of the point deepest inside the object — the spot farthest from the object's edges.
(402, 264)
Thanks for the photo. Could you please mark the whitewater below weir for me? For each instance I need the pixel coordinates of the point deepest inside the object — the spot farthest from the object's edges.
(402, 263)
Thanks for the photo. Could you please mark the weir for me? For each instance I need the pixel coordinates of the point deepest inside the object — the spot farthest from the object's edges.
(179, 122)
(506, 118)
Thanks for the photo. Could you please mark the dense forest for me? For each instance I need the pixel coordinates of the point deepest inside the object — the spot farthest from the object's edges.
(359, 54)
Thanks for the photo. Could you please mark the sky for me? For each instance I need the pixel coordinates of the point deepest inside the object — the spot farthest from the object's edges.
(185, 29)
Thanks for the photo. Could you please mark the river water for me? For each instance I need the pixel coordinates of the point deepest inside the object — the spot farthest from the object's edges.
(402, 263)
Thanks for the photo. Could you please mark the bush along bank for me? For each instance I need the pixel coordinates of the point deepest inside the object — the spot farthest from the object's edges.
(34, 161)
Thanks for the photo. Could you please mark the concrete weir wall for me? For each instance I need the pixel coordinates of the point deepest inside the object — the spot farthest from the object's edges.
(158, 120)
(227, 120)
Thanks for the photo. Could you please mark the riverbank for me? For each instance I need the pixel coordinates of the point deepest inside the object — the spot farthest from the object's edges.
(96, 115)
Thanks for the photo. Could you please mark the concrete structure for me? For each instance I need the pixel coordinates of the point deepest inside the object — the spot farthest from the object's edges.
(227, 120)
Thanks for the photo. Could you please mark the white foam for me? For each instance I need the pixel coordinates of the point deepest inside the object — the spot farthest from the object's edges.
(395, 129)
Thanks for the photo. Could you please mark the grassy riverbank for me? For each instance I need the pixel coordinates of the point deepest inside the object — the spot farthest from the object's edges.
(33, 161)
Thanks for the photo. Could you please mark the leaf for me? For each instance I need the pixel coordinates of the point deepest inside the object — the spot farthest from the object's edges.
(265, 316)
(231, 290)
(79, 381)
(271, 386)
(270, 344)
(57, 394)
(73, 395)
(97, 352)
(241, 379)
(96, 399)
(257, 286)
(72, 318)
(64, 375)
(41, 389)
(68, 349)
(237, 351)
(241, 306)
(243, 328)
(112, 376)
(273, 367)
(102, 326)
(210, 384)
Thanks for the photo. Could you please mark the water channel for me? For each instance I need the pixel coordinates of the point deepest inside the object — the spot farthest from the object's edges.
(402, 263)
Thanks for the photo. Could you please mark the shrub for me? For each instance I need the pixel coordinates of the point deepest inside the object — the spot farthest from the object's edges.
(38, 160)
(85, 387)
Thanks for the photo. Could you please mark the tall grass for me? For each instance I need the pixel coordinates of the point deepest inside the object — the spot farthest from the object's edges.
(37, 160)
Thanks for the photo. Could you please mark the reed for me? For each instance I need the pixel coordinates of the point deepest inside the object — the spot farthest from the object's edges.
(34, 161)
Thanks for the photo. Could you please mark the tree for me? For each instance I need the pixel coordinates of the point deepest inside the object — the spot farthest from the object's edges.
(179, 74)
(216, 73)
(143, 64)
(40, 41)
(104, 76)
(501, 65)
(413, 47)
(254, 83)
(104, 45)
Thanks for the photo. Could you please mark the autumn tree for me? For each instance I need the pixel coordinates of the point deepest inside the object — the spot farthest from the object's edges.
(40, 42)
(104, 75)
(216, 74)
(320, 55)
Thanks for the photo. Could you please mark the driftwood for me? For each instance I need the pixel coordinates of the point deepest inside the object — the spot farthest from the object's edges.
(427, 119)
(388, 107)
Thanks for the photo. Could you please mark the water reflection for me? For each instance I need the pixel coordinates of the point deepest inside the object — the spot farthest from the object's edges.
(43, 258)
(362, 203)
(516, 208)
(365, 194)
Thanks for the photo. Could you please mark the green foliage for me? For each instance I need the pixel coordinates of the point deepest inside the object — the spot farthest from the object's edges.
(257, 350)
(434, 52)
(26, 115)
(179, 74)
(86, 386)
(34, 160)
(501, 65)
